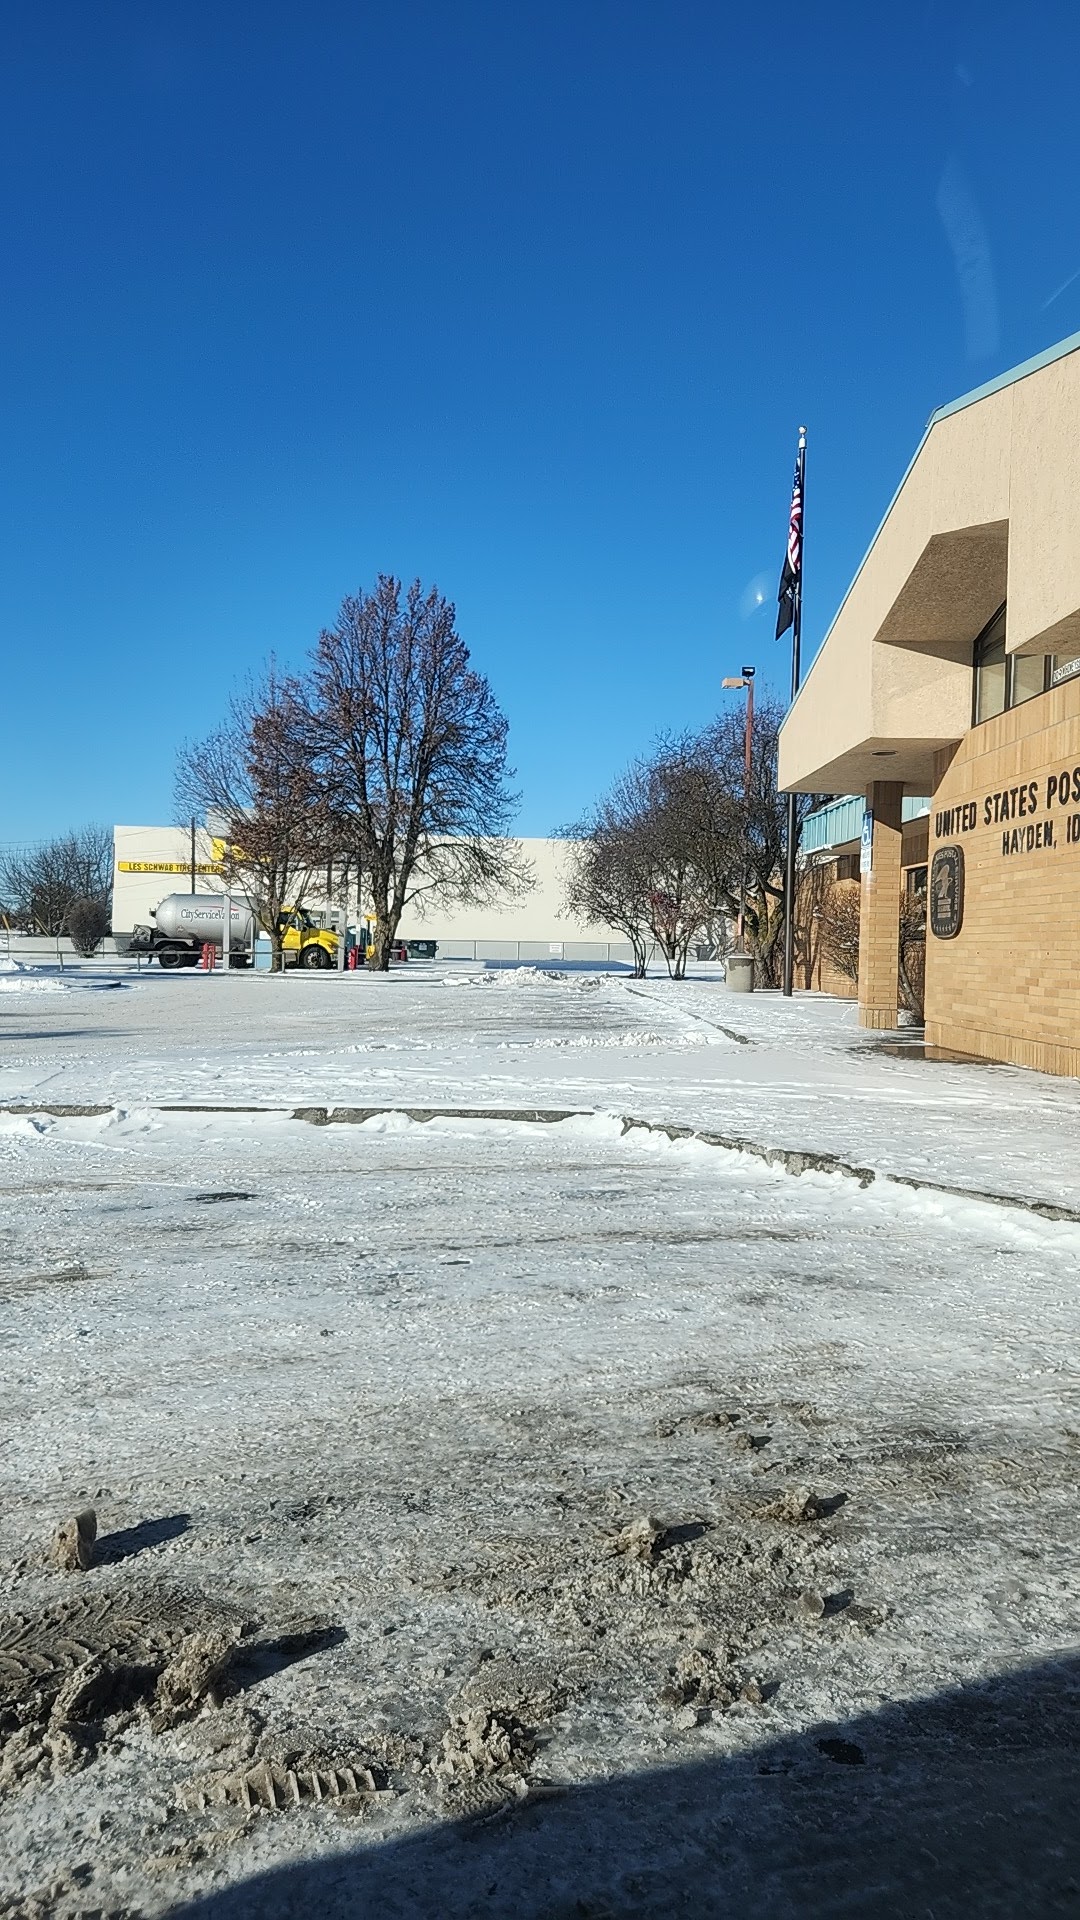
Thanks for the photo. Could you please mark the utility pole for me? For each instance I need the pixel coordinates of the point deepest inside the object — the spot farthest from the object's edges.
(193, 853)
(746, 680)
(343, 913)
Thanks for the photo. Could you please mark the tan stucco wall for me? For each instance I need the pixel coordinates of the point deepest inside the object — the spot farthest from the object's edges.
(991, 501)
(1008, 986)
(1044, 514)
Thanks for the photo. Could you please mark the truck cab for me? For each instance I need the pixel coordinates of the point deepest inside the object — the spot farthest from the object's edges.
(305, 941)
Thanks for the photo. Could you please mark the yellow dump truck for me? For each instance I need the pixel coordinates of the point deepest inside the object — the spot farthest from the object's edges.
(306, 942)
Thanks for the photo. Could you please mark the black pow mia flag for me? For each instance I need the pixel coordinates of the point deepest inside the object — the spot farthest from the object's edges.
(789, 578)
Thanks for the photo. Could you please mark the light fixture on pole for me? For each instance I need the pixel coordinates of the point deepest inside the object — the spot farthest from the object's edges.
(745, 680)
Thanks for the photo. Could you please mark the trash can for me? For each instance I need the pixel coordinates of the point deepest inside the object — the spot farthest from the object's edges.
(739, 972)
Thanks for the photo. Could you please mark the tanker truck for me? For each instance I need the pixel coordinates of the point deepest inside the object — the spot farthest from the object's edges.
(186, 922)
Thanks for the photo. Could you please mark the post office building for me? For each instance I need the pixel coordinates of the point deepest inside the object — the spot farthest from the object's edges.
(952, 669)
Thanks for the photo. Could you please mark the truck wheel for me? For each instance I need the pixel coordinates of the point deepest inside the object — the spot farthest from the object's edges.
(172, 956)
(314, 956)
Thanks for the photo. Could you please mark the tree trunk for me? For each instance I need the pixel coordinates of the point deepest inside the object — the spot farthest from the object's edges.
(277, 952)
(389, 904)
(670, 952)
(381, 939)
(387, 918)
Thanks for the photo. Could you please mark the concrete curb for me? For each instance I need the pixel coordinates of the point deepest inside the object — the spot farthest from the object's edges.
(793, 1160)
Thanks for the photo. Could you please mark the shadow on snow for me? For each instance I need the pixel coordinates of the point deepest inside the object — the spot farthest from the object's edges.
(957, 1805)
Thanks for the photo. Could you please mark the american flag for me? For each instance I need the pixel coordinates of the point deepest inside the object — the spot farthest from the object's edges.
(792, 561)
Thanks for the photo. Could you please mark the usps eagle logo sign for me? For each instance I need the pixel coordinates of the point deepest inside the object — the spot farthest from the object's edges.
(947, 893)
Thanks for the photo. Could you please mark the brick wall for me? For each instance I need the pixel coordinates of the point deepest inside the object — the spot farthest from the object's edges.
(814, 970)
(1008, 986)
(879, 921)
(829, 979)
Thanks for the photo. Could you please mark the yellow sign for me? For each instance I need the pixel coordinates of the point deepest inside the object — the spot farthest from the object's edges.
(162, 866)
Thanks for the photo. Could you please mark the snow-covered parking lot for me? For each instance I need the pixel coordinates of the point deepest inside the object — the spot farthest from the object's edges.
(526, 1517)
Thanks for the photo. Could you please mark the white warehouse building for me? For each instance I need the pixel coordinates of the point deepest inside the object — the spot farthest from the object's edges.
(150, 862)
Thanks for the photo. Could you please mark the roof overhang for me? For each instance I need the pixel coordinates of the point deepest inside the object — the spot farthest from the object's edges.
(911, 762)
(955, 587)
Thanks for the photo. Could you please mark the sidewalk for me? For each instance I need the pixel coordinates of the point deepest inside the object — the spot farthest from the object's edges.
(809, 1078)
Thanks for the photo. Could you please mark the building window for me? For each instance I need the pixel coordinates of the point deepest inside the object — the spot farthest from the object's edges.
(991, 670)
(916, 878)
(1004, 681)
(1027, 677)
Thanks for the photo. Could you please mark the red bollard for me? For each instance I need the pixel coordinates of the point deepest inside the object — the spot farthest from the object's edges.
(351, 958)
(208, 956)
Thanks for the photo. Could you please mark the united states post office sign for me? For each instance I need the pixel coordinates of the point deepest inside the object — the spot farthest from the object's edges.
(947, 892)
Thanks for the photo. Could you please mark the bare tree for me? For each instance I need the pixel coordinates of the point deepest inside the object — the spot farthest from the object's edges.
(655, 854)
(813, 880)
(696, 821)
(674, 831)
(254, 775)
(839, 923)
(41, 883)
(601, 887)
(692, 844)
(840, 918)
(87, 922)
(763, 817)
(607, 876)
(912, 958)
(411, 747)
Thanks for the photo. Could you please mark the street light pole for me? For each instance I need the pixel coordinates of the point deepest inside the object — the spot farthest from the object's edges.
(746, 680)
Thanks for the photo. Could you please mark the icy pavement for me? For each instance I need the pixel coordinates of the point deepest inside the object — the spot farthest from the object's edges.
(518, 1519)
(797, 1074)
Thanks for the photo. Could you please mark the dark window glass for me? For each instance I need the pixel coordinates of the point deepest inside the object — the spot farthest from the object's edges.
(990, 670)
(1005, 681)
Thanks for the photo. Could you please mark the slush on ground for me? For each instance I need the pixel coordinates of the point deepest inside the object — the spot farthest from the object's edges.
(435, 1482)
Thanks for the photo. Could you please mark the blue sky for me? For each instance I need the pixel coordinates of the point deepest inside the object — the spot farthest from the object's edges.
(527, 299)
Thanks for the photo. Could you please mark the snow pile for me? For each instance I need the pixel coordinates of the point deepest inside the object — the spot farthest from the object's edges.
(632, 1037)
(503, 977)
(388, 1123)
(19, 983)
(21, 1126)
(16, 978)
(524, 975)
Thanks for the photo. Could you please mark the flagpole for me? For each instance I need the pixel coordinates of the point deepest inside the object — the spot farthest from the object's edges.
(792, 799)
